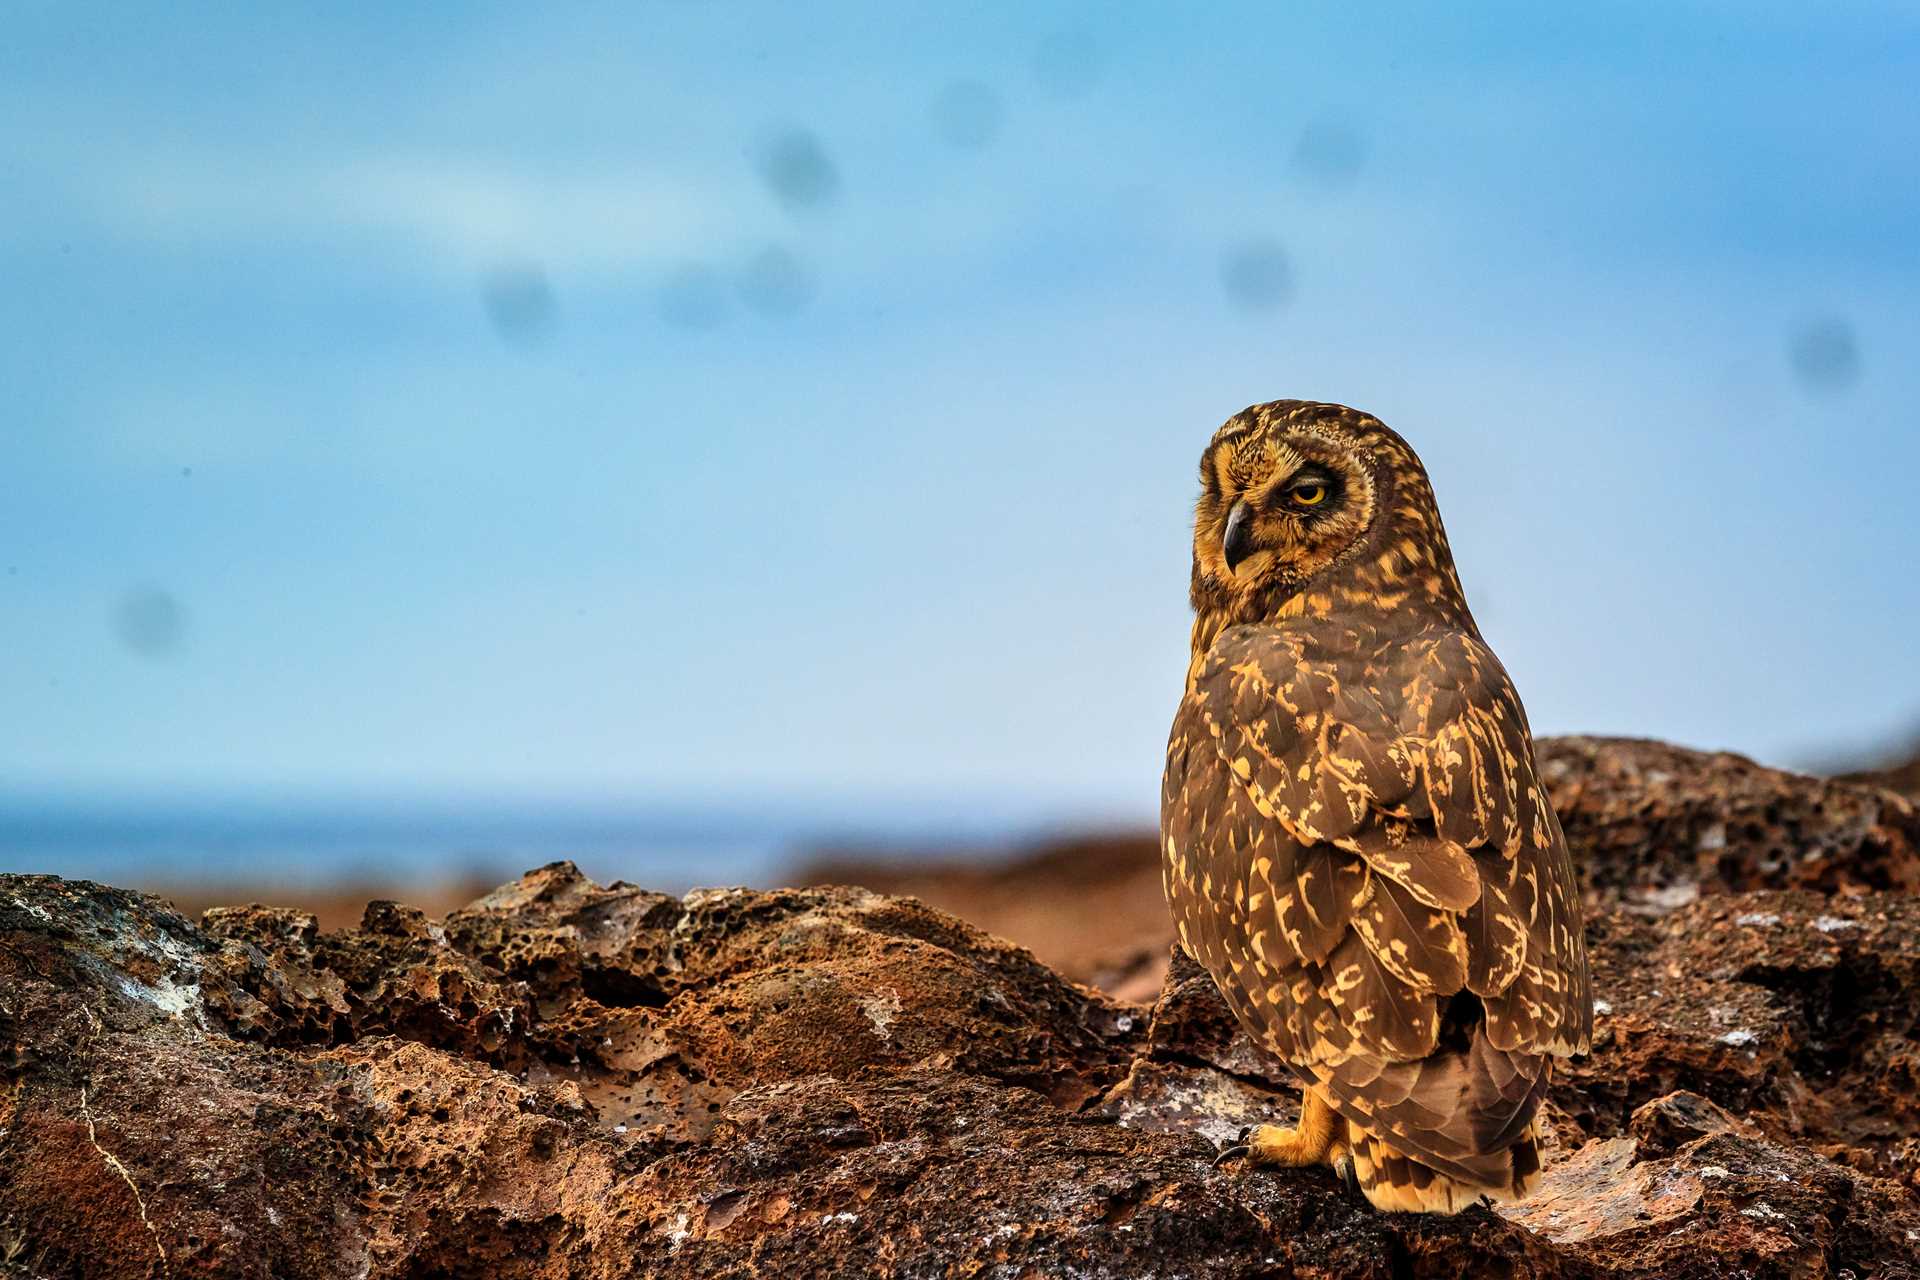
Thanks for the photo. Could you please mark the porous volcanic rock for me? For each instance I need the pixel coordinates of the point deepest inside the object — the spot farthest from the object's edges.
(1655, 825)
(565, 1080)
(1090, 906)
(817, 1083)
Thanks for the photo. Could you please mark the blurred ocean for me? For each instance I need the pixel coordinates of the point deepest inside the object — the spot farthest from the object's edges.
(314, 845)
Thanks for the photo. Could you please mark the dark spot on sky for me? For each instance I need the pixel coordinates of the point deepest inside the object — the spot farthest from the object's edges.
(693, 297)
(1068, 64)
(520, 303)
(1825, 355)
(1330, 154)
(149, 622)
(186, 473)
(796, 169)
(776, 283)
(1256, 275)
(966, 115)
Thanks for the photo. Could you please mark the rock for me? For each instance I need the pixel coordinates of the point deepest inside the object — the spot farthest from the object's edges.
(1896, 770)
(287, 983)
(947, 1175)
(1794, 1010)
(660, 1009)
(565, 1079)
(1602, 1191)
(1722, 1204)
(1663, 1126)
(795, 1083)
(1656, 826)
(1088, 906)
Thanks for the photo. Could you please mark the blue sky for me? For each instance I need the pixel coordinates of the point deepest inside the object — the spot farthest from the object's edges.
(711, 401)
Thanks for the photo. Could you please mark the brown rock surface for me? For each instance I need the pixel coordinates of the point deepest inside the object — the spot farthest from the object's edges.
(1655, 825)
(333, 906)
(569, 1080)
(1090, 906)
(1896, 770)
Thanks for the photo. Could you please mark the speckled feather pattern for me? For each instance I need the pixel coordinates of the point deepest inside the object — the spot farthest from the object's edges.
(1357, 844)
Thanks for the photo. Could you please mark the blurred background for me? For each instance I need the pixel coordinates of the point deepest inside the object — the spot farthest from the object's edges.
(687, 437)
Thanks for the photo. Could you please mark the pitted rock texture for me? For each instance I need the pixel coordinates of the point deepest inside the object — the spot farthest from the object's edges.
(1655, 825)
(619, 1083)
(570, 1080)
(1798, 1011)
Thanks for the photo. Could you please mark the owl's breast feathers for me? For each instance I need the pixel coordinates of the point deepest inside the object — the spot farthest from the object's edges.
(1359, 849)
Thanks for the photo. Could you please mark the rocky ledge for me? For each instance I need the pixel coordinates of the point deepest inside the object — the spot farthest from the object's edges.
(570, 1080)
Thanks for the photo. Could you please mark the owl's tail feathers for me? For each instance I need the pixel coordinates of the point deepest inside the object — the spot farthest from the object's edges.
(1399, 1183)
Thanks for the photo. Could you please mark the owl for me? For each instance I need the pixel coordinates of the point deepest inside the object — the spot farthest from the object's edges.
(1356, 842)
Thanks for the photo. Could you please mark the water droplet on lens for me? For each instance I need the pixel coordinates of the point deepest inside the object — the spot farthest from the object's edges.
(1330, 153)
(149, 622)
(797, 170)
(1256, 276)
(776, 283)
(966, 115)
(519, 302)
(1825, 355)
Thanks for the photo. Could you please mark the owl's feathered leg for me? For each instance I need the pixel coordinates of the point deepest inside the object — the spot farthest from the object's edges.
(1319, 1137)
(1308, 1142)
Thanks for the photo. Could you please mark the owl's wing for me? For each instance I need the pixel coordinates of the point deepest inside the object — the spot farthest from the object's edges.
(1356, 845)
(1482, 790)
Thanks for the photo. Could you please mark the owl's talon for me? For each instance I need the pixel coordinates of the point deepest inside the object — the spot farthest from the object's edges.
(1234, 1152)
(1340, 1158)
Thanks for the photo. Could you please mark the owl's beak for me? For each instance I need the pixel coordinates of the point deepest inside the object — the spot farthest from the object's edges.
(1237, 543)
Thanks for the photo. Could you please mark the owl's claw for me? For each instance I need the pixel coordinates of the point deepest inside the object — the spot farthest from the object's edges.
(1340, 1157)
(1235, 1149)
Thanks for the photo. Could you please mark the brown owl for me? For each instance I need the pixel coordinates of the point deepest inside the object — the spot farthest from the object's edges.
(1357, 844)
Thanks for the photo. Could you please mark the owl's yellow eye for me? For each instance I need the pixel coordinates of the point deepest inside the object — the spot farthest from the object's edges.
(1311, 494)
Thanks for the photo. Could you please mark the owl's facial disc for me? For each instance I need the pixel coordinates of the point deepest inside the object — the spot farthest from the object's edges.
(1279, 519)
(1277, 511)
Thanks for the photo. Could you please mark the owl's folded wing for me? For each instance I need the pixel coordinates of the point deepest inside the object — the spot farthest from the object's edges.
(1361, 840)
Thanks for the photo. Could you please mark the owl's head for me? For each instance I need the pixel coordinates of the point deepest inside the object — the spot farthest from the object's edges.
(1311, 508)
